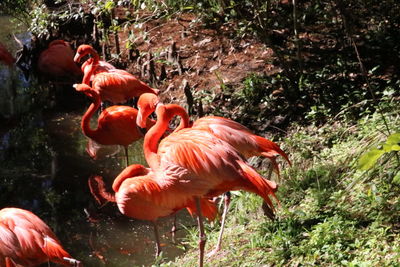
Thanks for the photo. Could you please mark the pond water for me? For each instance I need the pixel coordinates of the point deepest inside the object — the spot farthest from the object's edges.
(44, 168)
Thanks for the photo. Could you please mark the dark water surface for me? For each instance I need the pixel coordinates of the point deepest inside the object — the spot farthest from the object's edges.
(44, 168)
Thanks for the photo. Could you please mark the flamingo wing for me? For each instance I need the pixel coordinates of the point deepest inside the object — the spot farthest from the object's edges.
(241, 138)
(118, 124)
(191, 153)
(118, 86)
(197, 163)
(36, 242)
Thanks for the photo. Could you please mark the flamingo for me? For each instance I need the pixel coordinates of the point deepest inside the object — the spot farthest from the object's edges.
(57, 60)
(237, 135)
(114, 85)
(25, 240)
(138, 195)
(5, 56)
(116, 125)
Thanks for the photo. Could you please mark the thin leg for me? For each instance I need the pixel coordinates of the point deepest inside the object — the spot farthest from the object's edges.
(202, 235)
(157, 237)
(126, 156)
(227, 201)
(173, 230)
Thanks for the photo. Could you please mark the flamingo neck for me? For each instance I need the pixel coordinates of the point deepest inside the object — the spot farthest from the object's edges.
(181, 112)
(93, 62)
(85, 124)
(150, 145)
(129, 172)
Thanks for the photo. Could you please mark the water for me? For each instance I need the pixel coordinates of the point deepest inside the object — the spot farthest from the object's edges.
(44, 168)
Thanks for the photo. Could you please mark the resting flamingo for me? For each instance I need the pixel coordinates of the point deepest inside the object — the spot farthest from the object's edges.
(237, 135)
(138, 196)
(114, 85)
(116, 125)
(58, 61)
(25, 240)
(5, 56)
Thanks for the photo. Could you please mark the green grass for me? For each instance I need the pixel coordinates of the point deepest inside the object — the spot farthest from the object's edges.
(331, 213)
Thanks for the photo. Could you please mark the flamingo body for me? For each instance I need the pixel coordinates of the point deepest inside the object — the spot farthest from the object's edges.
(25, 240)
(139, 195)
(117, 126)
(206, 166)
(118, 86)
(5, 56)
(57, 60)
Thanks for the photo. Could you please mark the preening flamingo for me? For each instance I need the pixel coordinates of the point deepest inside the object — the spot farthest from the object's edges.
(115, 85)
(192, 163)
(237, 135)
(58, 61)
(5, 56)
(116, 125)
(25, 240)
(138, 195)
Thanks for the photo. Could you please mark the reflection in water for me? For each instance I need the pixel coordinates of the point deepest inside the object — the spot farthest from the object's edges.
(45, 169)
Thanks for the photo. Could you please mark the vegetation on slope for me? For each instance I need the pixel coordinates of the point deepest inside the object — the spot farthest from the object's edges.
(331, 213)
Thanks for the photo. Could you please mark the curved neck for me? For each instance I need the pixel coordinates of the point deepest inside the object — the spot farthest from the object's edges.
(85, 123)
(150, 145)
(181, 112)
(93, 62)
(129, 172)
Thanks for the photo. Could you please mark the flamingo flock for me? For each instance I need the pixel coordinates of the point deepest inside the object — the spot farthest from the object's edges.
(187, 167)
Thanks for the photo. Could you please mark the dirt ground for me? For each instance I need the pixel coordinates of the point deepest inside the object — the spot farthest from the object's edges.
(208, 59)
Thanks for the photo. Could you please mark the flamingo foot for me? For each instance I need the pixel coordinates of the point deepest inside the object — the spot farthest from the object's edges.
(213, 252)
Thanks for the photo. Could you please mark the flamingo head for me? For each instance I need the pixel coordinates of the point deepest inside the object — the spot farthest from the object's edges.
(147, 103)
(82, 51)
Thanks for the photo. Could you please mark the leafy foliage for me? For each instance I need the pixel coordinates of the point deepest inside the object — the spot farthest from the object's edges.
(369, 159)
(321, 222)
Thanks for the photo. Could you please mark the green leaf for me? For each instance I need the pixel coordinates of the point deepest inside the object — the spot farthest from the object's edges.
(368, 160)
(396, 179)
(393, 139)
(390, 148)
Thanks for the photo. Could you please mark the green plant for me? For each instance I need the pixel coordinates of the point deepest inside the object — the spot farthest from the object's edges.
(390, 148)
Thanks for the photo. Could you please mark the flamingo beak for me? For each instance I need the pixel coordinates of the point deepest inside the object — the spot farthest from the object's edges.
(77, 57)
(139, 120)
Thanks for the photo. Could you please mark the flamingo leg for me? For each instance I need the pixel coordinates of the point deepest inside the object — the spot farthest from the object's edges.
(157, 237)
(173, 230)
(267, 209)
(126, 155)
(202, 235)
(227, 201)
